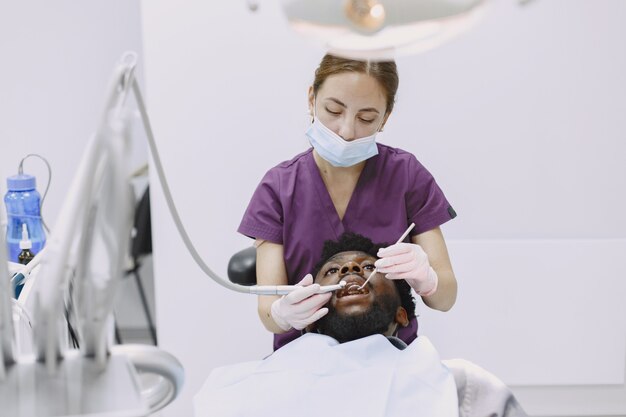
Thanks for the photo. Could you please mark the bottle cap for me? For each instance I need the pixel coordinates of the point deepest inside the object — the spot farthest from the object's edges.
(25, 243)
(21, 182)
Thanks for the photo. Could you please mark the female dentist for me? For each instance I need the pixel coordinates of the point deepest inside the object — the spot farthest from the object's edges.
(347, 182)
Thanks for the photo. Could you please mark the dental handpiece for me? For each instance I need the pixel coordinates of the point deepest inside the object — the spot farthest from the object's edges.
(404, 235)
(286, 289)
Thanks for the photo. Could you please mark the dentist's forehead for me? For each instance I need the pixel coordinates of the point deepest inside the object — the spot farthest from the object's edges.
(356, 256)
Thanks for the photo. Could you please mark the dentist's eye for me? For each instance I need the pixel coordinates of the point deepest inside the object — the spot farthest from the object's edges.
(368, 121)
(336, 113)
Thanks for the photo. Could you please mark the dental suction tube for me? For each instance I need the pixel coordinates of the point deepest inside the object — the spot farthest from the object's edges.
(170, 202)
(254, 289)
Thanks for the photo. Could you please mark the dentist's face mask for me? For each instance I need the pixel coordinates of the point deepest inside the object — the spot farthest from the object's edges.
(335, 150)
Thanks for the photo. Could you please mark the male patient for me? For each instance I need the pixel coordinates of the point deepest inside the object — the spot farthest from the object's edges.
(350, 364)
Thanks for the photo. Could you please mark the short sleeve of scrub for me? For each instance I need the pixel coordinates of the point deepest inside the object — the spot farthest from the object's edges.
(263, 218)
(426, 204)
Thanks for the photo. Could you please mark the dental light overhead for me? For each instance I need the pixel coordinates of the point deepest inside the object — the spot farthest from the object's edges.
(381, 29)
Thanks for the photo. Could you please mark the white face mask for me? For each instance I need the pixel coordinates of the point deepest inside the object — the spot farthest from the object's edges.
(339, 152)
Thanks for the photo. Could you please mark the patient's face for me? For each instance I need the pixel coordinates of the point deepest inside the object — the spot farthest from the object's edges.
(354, 313)
(353, 268)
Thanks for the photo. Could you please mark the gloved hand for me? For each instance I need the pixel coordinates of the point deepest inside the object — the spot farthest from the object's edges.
(408, 261)
(300, 307)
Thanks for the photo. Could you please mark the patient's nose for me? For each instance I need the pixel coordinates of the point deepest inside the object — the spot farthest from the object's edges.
(351, 268)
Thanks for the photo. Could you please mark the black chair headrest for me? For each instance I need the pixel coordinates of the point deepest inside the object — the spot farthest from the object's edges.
(242, 267)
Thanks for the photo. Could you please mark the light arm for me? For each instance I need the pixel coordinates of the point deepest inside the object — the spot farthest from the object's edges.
(270, 270)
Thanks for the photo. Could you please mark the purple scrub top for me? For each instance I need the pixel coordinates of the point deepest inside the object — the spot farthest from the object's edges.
(291, 206)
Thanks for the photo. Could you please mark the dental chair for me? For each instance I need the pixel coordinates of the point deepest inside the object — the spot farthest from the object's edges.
(480, 393)
(242, 267)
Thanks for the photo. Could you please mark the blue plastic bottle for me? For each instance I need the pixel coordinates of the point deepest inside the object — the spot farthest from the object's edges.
(22, 202)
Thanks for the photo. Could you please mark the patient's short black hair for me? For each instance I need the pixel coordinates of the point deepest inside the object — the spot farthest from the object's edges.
(349, 241)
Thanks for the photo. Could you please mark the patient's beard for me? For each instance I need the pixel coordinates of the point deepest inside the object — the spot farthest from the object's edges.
(345, 327)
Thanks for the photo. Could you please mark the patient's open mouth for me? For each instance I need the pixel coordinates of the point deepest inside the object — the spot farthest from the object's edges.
(353, 282)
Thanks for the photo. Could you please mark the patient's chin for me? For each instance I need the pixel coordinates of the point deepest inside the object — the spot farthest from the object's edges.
(354, 320)
(349, 307)
(346, 328)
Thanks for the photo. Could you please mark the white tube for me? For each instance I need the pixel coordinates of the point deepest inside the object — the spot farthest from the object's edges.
(170, 202)
(150, 359)
(7, 355)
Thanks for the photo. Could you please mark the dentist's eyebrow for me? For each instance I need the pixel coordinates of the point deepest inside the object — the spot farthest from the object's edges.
(366, 109)
(336, 101)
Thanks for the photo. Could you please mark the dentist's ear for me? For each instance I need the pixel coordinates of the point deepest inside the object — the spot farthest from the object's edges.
(311, 103)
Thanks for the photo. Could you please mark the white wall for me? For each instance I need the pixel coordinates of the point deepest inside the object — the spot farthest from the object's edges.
(521, 121)
(57, 58)
(55, 62)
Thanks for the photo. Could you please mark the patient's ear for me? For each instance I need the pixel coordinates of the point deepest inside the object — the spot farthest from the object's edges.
(402, 318)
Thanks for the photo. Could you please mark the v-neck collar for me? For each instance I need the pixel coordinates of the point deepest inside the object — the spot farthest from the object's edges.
(330, 212)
